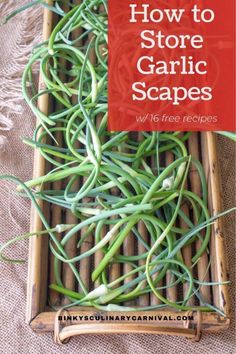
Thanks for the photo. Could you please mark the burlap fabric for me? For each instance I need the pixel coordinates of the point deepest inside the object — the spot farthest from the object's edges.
(16, 121)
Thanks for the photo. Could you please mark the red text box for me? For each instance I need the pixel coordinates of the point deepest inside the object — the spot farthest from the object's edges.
(171, 65)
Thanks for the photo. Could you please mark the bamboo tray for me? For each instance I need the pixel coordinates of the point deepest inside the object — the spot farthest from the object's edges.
(42, 318)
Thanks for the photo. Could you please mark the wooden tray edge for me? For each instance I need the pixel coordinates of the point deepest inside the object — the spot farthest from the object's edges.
(35, 314)
(210, 321)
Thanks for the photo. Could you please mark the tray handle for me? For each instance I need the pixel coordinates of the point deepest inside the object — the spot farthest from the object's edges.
(64, 334)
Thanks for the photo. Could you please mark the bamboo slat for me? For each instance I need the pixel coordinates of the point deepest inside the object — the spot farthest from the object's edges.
(128, 250)
(144, 299)
(195, 183)
(153, 299)
(56, 210)
(171, 292)
(218, 253)
(36, 286)
(71, 246)
(99, 255)
(85, 264)
(187, 254)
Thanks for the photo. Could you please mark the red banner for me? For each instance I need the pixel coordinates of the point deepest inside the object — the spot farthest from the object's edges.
(171, 65)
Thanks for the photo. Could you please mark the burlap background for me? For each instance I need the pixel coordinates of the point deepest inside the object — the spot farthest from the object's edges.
(16, 121)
